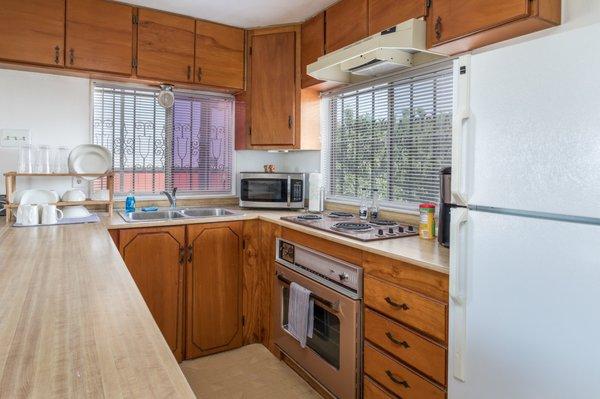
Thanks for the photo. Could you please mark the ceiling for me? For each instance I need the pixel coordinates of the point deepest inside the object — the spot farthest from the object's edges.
(241, 13)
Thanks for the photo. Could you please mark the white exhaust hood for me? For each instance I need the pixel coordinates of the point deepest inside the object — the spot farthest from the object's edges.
(397, 48)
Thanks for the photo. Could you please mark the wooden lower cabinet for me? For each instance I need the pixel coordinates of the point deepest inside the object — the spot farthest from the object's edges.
(214, 288)
(373, 390)
(154, 257)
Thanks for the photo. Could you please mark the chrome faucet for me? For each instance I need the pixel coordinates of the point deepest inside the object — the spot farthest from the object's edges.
(171, 196)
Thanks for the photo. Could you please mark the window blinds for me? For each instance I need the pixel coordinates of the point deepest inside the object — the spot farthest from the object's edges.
(394, 137)
(189, 146)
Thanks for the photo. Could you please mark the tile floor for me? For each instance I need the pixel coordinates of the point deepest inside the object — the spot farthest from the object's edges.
(246, 373)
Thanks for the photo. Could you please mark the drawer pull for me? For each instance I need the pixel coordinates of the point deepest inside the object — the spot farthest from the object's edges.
(402, 306)
(397, 341)
(396, 379)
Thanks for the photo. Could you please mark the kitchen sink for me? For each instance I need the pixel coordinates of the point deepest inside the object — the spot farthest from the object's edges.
(183, 213)
(207, 212)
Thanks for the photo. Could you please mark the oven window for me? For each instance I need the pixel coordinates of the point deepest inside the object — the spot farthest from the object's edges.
(264, 190)
(326, 331)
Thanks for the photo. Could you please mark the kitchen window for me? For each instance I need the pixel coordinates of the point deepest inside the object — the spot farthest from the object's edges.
(189, 146)
(393, 136)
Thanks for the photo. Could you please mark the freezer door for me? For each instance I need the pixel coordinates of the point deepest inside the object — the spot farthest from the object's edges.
(534, 125)
(527, 322)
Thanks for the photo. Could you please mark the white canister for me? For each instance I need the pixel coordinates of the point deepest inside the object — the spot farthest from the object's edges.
(28, 215)
(50, 214)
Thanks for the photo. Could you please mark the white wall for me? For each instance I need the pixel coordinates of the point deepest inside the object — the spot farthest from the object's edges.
(56, 109)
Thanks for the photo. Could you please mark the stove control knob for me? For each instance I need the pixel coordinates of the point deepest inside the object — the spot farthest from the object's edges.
(400, 229)
(380, 232)
(391, 230)
(410, 228)
(344, 276)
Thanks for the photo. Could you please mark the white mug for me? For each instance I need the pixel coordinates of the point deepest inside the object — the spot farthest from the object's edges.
(50, 214)
(28, 215)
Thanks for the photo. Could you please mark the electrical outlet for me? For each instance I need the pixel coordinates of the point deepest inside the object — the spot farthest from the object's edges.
(14, 137)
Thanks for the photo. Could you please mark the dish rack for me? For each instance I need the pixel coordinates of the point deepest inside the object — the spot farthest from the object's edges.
(11, 185)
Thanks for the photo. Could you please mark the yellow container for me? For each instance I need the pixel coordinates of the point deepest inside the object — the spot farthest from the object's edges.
(427, 221)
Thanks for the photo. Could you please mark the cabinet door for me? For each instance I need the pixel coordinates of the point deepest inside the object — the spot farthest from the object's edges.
(99, 36)
(384, 14)
(452, 19)
(346, 23)
(273, 89)
(313, 46)
(214, 288)
(219, 55)
(165, 46)
(32, 31)
(154, 257)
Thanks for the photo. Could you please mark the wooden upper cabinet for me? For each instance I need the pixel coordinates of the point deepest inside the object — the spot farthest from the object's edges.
(32, 31)
(455, 26)
(383, 14)
(154, 257)
(165, 46)
(346, 22)
(219, 55)
(99, 36)
(214, 288)
(312, 46)
(273, 89)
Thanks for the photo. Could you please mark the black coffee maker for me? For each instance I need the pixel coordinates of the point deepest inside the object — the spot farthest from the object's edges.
(445, 206)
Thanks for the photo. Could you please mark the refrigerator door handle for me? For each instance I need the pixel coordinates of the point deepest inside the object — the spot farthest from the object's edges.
(458, 292)
(462, 112)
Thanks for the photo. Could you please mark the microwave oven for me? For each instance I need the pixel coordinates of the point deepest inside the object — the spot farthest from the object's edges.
(272, 190)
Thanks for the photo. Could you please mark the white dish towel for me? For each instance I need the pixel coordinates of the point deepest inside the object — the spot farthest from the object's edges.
(300, 313)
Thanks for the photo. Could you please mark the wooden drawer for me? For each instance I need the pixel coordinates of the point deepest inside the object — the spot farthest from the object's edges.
(421, 353)
(372, 390)
(397, 378)
(418, 311)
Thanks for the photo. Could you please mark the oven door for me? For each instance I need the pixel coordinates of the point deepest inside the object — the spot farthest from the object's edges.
(331, 355)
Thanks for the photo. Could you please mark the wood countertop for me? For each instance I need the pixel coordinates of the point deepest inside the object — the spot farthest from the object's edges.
(73, 323)
(425, 253)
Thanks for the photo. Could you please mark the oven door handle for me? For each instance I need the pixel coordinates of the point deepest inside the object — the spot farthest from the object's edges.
(334, 306)
(289, 190)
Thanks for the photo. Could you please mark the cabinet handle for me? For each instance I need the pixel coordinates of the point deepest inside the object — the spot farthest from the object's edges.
(438, 28)
(396, 379)
(199, 74)
(71, 56)
(190, 254)
(290, 121)
(189, 73)
(181, 255)
(402, 306)
(396, 341)
(56, 54)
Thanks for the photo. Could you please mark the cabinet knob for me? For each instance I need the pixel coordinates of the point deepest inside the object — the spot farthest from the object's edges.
(56, 54)
(191, 253)
(396, 305)
(181, 255)
(438, 28)
(397, 380)
(404, 344)
(71, 56)
(290, 121)
(199, 74)
(189, 72)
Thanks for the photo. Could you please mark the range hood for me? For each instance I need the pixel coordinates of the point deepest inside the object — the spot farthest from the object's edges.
(400, 47)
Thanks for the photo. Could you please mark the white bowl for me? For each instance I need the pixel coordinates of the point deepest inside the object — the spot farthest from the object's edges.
(77, 211)
(74, 195)
(38, 197)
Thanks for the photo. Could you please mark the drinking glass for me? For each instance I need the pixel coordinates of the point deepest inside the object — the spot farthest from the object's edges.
(61, 156)
(26, 158)
(43, 159)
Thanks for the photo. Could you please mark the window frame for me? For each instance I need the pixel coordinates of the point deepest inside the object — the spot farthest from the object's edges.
(183, 195)
(326, 141)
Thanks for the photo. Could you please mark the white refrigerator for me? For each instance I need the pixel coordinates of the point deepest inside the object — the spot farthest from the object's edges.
(525, 248)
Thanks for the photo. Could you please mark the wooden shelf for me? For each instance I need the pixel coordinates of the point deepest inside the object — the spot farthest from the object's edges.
(69, 203)
(11, 174)
(11, 185)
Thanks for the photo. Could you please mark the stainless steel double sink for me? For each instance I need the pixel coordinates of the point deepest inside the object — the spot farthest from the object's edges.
(175, 214)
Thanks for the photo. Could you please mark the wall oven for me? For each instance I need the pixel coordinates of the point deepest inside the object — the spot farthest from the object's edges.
(332, 355)
(272, 190)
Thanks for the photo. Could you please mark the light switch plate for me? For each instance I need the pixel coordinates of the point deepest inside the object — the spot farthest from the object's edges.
(14, 137)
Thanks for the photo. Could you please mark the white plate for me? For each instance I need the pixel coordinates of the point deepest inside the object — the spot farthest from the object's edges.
(78, 211)
(39, 197)
(89, 158)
